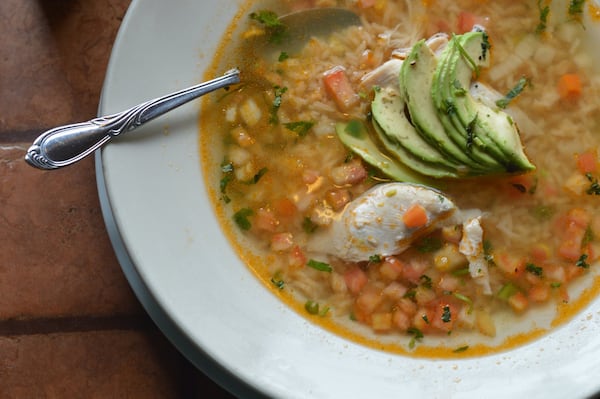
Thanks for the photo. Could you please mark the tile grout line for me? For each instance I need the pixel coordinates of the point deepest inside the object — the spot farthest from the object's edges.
(75, 324)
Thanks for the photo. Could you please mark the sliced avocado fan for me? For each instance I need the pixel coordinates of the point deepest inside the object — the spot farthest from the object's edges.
(426, 126)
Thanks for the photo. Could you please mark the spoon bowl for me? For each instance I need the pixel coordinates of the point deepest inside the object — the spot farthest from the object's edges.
(65, 145)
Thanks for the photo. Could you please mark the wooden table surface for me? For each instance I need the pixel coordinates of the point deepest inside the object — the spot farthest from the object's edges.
(70, 326)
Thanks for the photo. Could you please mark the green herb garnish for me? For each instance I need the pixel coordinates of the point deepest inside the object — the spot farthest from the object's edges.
(308, 225)
(241, 218)
(533, 269)
(461, 349)
(446, 314)
(426, 281)
(543, 212)
(312, 307)
(507, 290)
(514, 92)
(417, 336)
(320, 266)
(594, 188)
(276, 29)
(301, 128)
(278, 281)
(429, 244)
(375, 259)
(465, 299)
(544, 12)
(279, 92)
(227, 169)
(283, 56)
(576, 8)
(582, 262)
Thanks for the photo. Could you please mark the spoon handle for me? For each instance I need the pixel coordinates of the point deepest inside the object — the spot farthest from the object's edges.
(64, 145)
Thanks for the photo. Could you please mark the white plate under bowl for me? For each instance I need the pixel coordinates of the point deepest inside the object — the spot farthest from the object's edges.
(207, 302)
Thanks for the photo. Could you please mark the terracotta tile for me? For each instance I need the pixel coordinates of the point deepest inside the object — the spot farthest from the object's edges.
(109, 364)
(54, 57)
(55, 255)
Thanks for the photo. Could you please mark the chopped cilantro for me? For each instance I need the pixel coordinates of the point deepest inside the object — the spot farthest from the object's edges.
(533, 269)
(425, 318)
(555, 284)
(320, 266)
(375, 259)
(279, 92)
(471, 133)
(429, 244)
(594, 188)
(582, 262)
(227, 169)
(461, 349)
(283, 56)
(426, 281)
(446, 314)
(544, 11)
(278, 281)
(276, 30)
(588, 236)
(576, 8)
(241, 218)
(308, 225)
(514, 92)
(301, 128)
(417, 336)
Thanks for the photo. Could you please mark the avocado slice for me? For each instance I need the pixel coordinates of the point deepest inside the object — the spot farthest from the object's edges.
(451, 78)
(403, 156)
(389, 118)
(356, 137)
(416, 79)
(492, 130)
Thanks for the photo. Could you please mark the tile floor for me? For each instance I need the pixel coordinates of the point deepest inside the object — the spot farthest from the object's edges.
(70, 327)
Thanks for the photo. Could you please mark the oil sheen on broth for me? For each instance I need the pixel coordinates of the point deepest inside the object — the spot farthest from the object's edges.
(278, 174)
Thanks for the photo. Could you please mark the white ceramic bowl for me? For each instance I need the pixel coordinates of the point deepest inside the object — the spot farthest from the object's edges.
(208, 303)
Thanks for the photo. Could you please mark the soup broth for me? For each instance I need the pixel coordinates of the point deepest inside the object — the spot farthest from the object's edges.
(278, 175)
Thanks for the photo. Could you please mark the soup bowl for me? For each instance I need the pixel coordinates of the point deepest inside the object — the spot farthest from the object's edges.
(205, 299)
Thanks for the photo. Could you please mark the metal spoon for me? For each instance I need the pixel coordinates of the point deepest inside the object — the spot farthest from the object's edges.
(68, 144)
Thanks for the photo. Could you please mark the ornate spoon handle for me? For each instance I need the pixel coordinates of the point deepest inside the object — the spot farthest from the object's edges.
(68, 144)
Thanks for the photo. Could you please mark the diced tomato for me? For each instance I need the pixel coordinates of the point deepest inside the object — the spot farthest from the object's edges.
(587, 162)
(282, 241)
(339, 88)
(569, 86)
(510, 265)
(579, 217)
(415, 216)
(297, 259)
(401, 320)
(368, 301)
(413, 270)
(540, 253)
(518, 302)
(266, 220)
(445, 314)
(284, 207)
(539, 293)
(391, 268)
(355, 279)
